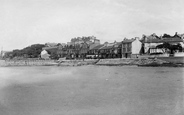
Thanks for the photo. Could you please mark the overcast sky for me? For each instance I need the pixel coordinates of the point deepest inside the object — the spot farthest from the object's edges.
(26, 22)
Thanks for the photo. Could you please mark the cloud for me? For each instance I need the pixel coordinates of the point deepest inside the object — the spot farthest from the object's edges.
(26, 22)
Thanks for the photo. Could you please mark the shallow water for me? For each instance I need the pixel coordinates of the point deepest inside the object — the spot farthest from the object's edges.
(91, 90)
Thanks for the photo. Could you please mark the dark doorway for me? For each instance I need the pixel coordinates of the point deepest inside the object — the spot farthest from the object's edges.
(126, 55)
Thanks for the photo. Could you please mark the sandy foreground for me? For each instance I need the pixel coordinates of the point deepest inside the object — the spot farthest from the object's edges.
(91, 90)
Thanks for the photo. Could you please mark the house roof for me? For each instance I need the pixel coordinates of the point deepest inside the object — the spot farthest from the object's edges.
(153, 41)
(128, 40)
(117, 44)
(165, 38)
(168, 39)
(106, 47)
(97, 47)
(173, 39)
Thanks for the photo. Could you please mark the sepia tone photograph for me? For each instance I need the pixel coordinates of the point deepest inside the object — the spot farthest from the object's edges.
(91, 57)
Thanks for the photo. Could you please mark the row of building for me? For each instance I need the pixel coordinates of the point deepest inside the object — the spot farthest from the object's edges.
(90, 47)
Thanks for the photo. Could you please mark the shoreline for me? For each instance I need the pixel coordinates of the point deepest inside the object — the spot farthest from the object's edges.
(9, 63)
(140, 62)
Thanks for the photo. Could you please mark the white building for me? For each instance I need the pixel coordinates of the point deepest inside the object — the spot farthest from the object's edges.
(131, 48)
(45, 55)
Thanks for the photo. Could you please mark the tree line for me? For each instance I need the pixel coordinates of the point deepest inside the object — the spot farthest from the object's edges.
(32, 51)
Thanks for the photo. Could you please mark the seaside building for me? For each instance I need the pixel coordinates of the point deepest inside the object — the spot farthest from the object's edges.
(90, 47)
(83, 50)
(78, 47)
(131, 48)
(152, 44)
(94, 52)
(51, 50)
(88, 40)
(106, 51)
(44, 55)
(110, 50)
(117, 50)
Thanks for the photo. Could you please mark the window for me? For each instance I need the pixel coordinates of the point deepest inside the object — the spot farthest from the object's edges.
(124, 49)
(123, 45)
(129, 49)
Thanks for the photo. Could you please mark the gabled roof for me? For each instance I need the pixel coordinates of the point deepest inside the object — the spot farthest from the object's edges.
(128, 40)
(153, 38)
(165, 38)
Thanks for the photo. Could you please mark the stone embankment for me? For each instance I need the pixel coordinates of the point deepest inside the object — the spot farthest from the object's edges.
(105, 62)
(145, 62)
(129, 61)
(77, 62)
(27, 62)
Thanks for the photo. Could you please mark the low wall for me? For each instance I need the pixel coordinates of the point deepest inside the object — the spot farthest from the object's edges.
(173, 59)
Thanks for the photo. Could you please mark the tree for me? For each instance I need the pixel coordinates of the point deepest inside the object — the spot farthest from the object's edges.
(171, 48)
(32, 51)
(166, 36)
(53, 54)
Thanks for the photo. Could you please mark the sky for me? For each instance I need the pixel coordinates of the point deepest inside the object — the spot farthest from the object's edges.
(27, 22)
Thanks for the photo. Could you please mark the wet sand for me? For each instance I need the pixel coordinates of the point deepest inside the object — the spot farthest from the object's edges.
(91, 90)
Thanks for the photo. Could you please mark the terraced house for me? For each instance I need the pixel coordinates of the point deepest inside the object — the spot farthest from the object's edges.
(110, 50)
(83, 50)
(78, 47)
(94, 52)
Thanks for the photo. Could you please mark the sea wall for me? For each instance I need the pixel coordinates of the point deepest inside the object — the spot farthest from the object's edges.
(129, 61)
(105, 62)
(173, 59)
(27, 62)
(77, 62)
